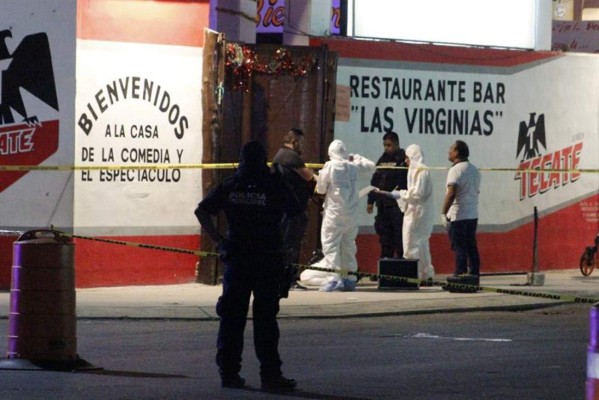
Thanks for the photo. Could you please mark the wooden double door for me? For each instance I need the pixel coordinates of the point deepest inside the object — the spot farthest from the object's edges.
(258, 92)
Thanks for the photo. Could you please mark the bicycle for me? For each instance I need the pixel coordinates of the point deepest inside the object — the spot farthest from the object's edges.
(589, 258)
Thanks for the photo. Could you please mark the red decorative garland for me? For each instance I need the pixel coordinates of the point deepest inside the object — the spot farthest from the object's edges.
(243, 62)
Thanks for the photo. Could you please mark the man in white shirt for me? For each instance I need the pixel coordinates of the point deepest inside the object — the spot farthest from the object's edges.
(460, 209)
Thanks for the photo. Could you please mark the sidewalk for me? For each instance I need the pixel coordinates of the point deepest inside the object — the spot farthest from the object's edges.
(197, 301)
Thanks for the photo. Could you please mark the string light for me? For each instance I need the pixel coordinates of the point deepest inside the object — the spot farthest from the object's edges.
(242, 62)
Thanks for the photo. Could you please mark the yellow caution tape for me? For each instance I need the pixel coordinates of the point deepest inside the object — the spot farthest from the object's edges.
(526, 170)
(448, 285)
(144, 246)
(235, 165)
(114, 167)
(459, 286)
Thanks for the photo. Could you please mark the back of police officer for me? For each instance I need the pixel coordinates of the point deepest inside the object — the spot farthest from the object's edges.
(254, 202)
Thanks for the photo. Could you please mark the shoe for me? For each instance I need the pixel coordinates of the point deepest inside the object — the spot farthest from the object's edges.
(450, 279)
(333, 285)
(464, 283)
(348, 286)
(233, 381)
(278, 384)
(297, 286)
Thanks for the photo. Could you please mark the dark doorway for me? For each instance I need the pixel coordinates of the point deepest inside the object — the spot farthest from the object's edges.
(258, 92)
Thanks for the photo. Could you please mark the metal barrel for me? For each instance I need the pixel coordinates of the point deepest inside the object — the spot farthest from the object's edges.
(42, 315)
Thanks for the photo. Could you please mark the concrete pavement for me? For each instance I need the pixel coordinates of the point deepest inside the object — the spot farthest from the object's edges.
(197, 301)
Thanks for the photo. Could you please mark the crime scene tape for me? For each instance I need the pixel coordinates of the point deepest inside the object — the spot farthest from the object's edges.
(21, 168)
(143, 246)
(470, 288)
(525, 170)
(459, 286)
(115, 167)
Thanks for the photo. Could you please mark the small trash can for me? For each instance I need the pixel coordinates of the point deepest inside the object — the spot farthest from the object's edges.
(42, 315)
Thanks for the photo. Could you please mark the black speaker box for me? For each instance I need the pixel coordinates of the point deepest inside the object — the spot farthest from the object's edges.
(397, 267)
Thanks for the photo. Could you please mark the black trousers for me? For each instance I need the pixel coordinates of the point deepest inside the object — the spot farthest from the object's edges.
(259, 274)
(462, 236)
(388, 224)
(294, 230)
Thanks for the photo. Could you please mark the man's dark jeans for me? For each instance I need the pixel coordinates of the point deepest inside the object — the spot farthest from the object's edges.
(462, 236)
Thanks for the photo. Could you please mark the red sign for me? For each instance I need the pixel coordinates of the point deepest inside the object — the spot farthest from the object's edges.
(24, 144)
(536, 183)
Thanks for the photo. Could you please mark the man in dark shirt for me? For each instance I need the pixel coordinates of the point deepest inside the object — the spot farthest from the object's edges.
(254, 201)
(389, 219)
(288, 161)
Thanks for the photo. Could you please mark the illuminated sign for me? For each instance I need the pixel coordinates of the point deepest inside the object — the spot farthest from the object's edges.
(270, 16)
(497, 23)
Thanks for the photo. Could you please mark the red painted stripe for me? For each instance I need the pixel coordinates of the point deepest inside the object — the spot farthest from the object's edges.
(562, 237)
(6, 260)
(104, 264)
(101, 264)
(397, 51)
(158, 22)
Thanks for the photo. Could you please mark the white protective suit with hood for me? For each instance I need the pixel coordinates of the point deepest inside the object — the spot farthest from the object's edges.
(419, 214)
(338, 182)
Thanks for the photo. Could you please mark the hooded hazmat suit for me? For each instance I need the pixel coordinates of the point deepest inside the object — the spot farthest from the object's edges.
(417, 204)
(338, 182)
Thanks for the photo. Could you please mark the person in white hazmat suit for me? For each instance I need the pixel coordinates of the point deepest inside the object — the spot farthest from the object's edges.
(338, 182)
(417, 204)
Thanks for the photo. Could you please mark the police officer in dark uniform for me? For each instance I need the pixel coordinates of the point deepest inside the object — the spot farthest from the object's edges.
(254, 201)
(388, 222)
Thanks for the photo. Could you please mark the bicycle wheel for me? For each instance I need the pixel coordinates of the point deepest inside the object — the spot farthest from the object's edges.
(587, 262)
